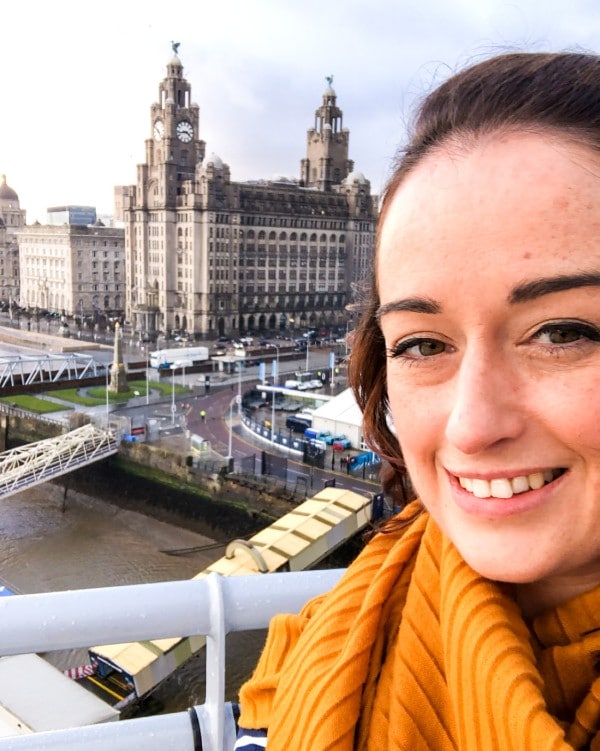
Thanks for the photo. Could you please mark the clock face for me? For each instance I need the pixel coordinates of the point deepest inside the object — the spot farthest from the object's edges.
(159, 130)
(185, 131)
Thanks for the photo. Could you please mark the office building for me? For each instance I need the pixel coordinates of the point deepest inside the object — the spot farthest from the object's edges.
(72, 269)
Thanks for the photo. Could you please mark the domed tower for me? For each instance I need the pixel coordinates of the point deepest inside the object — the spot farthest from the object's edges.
(12, 217)
(10, 211)
(326, 162)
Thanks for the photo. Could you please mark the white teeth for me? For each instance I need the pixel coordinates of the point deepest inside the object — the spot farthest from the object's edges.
(481, 489)
(501, 488)
(520, 484)
(504, 487)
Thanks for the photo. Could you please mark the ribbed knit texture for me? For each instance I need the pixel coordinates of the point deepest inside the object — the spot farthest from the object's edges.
(414, 651)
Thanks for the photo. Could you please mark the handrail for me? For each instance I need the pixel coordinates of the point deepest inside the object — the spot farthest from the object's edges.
(213, 605)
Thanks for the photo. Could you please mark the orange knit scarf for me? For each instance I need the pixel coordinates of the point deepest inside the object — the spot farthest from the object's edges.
(413, 650)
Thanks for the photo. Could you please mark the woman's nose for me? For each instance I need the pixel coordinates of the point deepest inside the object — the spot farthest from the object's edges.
(486, 406)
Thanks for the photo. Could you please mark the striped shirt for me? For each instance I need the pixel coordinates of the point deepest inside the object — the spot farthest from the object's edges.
(250, 740)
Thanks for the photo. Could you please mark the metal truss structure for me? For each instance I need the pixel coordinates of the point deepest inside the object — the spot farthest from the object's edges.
(18, 370)
(41, 461)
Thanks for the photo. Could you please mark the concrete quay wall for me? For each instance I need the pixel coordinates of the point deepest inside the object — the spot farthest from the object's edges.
(249, 501)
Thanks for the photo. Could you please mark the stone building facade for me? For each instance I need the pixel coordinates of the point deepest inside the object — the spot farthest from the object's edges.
(12, 219)
(72, 269)
(210, 256)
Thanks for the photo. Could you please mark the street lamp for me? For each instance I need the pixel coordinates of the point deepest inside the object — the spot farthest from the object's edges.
(172, 394)
(230, 451)
(237, 399)
(147, 381)
(273, 417)
(307, 348)
(276, 373)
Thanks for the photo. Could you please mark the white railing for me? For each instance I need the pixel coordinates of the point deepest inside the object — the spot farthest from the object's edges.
(212, 606)
(23, 369)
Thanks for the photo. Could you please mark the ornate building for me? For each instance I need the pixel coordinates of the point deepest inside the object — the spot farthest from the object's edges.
(211, 256)
(72, 269)
(12, 219)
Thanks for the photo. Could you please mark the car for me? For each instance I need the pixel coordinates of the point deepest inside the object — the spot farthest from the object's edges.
(339, 438)
(341, 445)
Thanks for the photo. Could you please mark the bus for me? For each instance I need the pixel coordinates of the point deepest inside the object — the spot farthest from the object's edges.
(180, 356)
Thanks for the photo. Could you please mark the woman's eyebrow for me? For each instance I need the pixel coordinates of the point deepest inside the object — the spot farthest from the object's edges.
(411, 304)
(548, 285)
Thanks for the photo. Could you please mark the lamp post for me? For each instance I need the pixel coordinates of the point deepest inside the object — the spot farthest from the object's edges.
(307, 349)
(172, 395)
(273, 417)
(147, 381)
(230, 451)
(276, 373)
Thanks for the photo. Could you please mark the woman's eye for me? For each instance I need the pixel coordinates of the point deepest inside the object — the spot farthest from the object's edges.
(418, 348)
(567, 332)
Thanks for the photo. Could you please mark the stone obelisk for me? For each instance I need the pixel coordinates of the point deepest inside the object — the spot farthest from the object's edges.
(118, 375)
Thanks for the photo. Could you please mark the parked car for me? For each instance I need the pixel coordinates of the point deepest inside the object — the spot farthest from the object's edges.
(339, 438)
(341, 445)
(316, 435)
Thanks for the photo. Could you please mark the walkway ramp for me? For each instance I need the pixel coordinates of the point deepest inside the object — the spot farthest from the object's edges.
(41, 461)
(295, 542)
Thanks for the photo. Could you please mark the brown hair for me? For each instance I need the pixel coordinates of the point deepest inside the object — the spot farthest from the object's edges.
(537, 92)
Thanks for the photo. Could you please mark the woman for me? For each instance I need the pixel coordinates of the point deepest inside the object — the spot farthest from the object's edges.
(472, 621)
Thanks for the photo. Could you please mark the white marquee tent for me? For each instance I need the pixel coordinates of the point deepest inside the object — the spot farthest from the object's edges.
(341, 415)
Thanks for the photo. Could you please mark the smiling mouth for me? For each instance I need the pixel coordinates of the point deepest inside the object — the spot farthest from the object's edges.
(506, 487)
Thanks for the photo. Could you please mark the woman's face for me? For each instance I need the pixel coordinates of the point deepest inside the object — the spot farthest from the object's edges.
(489, 279)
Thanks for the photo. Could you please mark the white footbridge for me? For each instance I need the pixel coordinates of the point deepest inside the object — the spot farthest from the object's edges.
(22, 370)
(41, 461)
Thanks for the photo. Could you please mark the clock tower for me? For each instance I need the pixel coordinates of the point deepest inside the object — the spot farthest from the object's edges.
(174, 149)
(152, 207)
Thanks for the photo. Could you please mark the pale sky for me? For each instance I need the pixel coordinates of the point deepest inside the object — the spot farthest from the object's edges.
(78, 78)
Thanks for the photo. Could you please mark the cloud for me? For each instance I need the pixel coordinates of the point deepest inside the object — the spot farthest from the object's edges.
(80, 84)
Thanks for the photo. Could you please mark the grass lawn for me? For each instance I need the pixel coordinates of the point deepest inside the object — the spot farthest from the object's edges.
(33, 404)
(97, 394)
